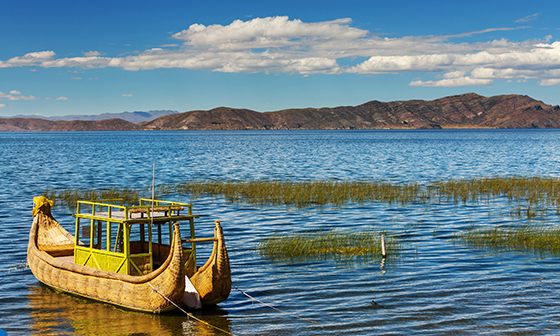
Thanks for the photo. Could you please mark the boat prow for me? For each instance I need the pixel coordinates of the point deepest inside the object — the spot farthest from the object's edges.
(213, 280)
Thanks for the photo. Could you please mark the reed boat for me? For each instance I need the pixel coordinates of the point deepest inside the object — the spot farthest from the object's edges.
(123, 256)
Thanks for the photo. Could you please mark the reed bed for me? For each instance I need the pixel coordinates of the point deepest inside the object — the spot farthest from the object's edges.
(538, 239)
(303, 194)
(333, 244)
(532, 190)
(70, 197)
(533, 196)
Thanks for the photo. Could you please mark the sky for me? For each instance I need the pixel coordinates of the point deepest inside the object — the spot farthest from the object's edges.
(91, 57)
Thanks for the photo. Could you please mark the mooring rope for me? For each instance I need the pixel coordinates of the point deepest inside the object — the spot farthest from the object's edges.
(22, 265)
(189, 314)
(270, 306)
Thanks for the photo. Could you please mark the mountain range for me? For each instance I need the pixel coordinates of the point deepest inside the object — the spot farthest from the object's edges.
(133, 117)
(460, 111)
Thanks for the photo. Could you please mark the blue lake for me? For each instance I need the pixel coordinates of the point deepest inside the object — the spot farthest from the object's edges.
(442, 288)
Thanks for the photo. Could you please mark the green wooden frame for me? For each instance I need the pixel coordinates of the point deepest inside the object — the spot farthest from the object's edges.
(120, 259)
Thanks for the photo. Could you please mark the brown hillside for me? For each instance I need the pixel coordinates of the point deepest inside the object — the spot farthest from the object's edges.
(460, 111)
(34, 124)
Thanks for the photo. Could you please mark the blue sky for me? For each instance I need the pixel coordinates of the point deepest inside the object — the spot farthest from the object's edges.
(92, 57)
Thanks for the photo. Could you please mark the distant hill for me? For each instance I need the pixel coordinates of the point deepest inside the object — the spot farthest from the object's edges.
(461, 111)
(35, 124)
(133, 117)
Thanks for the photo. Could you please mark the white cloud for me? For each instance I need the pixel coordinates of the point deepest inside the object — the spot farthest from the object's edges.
(452, 82)
(542, 61)
(454, 74)
(278, 44)
(30, 59)
(270, 32)
(3, 105)
(127, 95)
(92, 53)
(15, 95)
(528, 18)
(547, 82)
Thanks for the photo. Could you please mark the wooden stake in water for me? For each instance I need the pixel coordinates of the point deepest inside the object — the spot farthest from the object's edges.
(383, 250)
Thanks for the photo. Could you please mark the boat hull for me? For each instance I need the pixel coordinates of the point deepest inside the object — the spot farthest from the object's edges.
(133, 292)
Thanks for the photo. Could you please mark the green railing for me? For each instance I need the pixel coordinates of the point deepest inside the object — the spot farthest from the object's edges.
(102, 249)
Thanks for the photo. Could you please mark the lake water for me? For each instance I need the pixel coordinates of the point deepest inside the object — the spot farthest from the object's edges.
(441, 288)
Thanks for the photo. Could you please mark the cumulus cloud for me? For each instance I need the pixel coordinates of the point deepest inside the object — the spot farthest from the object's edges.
(452, 82)
(3, 105)
(15, 95)
(34, 58)
(280, 45)
(127, 95)
(542, 61)
(92, 53)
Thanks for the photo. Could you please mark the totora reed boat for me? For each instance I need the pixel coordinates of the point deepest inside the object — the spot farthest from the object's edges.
(112, 257)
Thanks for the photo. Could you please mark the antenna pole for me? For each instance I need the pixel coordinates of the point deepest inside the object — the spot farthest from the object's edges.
(153, 193)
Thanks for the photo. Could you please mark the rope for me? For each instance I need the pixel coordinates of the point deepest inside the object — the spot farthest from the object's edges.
(22, 265)
(283, 312)
(189, 314)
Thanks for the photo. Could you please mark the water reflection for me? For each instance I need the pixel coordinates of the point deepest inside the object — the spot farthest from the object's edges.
(55, 313)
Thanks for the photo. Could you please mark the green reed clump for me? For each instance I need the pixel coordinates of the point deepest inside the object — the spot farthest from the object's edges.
(538, 239)
(303, 194)
(70, 197)
(533, 195)
(333, 244)
(531, 190)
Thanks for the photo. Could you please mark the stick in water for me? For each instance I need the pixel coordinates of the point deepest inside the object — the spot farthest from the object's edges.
(383, 250)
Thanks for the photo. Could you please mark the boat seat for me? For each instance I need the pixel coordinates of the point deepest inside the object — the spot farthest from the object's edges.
(58, 250)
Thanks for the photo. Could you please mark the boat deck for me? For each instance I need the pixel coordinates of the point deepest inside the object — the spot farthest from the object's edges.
(66, 259)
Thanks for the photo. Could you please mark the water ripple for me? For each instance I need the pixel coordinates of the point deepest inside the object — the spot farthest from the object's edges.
(439, 287)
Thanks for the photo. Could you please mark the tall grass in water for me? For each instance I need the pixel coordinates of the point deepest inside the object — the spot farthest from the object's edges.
(534, 195)
(333, 244)
(538, 239)
(70, 197)
(304, 194)
(532, 190)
